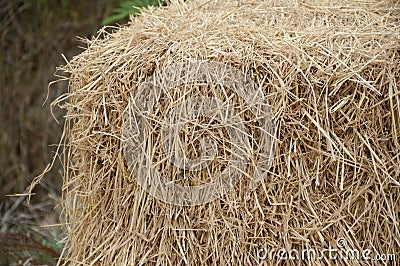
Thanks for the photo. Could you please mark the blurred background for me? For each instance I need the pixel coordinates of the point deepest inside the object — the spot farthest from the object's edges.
(33, 36)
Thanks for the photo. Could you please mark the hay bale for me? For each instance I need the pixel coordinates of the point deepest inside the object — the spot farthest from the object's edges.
(329, 72)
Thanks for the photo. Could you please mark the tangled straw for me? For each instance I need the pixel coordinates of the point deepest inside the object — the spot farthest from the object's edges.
(329, 71)
(188, 93)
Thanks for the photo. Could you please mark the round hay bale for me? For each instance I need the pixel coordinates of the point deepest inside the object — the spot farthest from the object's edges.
(310, 93)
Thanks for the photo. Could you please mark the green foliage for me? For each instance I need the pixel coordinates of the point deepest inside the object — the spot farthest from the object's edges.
(130, 7)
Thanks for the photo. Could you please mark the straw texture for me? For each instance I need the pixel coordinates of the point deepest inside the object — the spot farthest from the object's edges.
(330, 73)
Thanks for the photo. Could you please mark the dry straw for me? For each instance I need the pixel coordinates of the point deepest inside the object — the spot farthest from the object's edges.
(330, 72)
